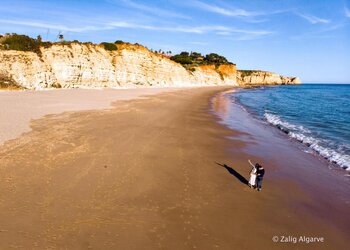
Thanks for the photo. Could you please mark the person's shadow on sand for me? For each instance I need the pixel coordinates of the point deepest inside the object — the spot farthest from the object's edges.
(234, 173)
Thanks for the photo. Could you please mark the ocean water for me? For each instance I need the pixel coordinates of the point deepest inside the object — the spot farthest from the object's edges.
(317, 115)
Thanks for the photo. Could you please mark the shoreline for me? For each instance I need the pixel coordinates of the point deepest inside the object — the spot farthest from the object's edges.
(163, 170)
(288, 161)
(284, 132)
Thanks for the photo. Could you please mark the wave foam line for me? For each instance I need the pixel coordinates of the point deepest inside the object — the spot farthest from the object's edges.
(299, 133)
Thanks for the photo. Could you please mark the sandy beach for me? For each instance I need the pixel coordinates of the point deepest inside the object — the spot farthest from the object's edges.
(23, 106)
(159, 173)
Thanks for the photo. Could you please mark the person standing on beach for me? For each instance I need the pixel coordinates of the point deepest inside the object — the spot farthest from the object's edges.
(253, 173)
(259, 176)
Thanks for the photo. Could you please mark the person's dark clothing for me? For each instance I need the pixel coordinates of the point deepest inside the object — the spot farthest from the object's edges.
(261, 172)
(259, 177)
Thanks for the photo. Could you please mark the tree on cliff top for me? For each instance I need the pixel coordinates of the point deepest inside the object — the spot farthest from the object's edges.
(195, 58)
(214, 58)
(182, 58)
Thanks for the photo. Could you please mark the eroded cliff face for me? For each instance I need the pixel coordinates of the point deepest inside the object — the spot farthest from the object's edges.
(251, 77)
(91, 66)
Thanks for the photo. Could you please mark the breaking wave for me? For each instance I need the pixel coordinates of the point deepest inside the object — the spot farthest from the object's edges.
(305, 136)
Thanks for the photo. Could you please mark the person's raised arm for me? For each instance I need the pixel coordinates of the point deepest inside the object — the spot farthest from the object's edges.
(251, 163)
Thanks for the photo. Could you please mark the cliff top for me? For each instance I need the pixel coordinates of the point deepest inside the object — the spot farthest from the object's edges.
(187, 59)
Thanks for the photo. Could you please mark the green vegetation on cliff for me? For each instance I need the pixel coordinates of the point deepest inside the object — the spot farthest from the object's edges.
(248, 72)
(109, 46)
(25, 43)
(188, 60)
(195, 59)
(20, 42)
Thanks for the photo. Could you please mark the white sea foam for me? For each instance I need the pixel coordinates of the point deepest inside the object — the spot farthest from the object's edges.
(303, 135)
(276, 120)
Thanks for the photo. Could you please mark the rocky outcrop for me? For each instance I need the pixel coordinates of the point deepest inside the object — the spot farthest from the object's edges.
(91, 66)
(256, 77)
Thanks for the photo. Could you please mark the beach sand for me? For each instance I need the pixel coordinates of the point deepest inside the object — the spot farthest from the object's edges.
(20, 107)
(150, 173)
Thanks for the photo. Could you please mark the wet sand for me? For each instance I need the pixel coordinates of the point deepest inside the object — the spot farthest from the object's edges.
(152, 173)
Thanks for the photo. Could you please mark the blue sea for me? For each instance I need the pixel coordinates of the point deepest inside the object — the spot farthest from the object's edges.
(317, 115)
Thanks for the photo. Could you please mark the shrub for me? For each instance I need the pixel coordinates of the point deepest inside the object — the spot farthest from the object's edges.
(21, 42)
(184, 54)
(118, 42)
(196, 55)
(46, 44)
(181, 59)
(213, 58)
(195, 59)
(109, 46)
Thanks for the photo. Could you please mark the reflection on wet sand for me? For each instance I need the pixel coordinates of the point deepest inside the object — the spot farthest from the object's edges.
(221, 104)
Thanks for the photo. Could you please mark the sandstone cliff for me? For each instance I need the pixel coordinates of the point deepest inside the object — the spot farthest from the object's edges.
(79, 65)
(84, 65)
(256, 77)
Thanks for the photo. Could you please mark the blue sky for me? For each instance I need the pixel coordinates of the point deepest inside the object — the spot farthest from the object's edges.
(306, 38)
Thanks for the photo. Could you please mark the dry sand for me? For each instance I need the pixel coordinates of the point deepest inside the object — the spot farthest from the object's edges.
(20, 107)
(148, 174)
